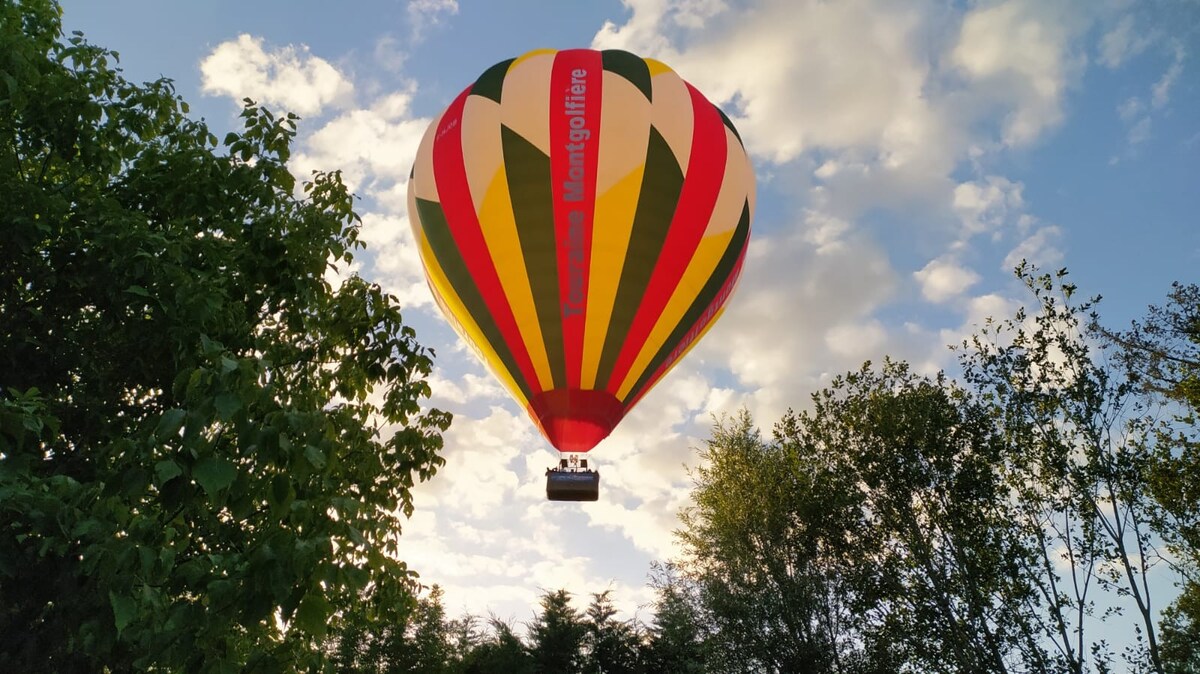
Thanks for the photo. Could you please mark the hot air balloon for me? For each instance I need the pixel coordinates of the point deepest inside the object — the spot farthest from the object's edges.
(582, 218)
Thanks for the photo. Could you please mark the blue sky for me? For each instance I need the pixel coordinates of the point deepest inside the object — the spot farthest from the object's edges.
(907, 153)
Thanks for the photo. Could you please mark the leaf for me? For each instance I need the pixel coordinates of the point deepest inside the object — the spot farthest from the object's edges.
(315, 456)
(214, 474)
(313, 613)
(169, 424)
(227, 405)
(166, 471)
(281, 491)
(138, 290)
(124, 609)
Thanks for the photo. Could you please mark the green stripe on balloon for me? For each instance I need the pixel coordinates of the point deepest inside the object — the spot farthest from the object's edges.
(662, 182)
(441, 242)
(491, 82)
(530, 190)
(699, 306)
(631, 67)
(730, 126)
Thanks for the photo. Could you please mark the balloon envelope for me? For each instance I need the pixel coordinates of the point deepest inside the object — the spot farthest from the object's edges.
(582, 218)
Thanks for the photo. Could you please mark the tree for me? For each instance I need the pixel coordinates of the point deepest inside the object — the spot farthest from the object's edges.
(611, 646)
(1076, 462)
(868, 535)
(466, 635)
(206, 449)
(556, 635)
(757, 544)
(1162, 354)
(908, 523)
(420, 642)
(676, 643)
(924, 544)
(424, 647)
(502, 651)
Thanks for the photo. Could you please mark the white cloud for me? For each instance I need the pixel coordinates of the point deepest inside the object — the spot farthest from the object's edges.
(980, 311)
(389, 55)
(642, 33)
(857, 341)
(478, 476)
(289, 77)
(788, 99)
(891, 97)
(1039, 248)
(374, 147)
(1021, 53)
(1139, 132)
(1137, 115)
(695, 13)
(1122, 42)
(944, 279)
(424, 14)
(985, 205)
(775, 337)
(1130, 108)
(1161, 91)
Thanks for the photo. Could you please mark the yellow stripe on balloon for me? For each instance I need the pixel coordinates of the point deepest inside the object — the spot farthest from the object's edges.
(461, 321)
(656, 67)
(504, 245)
(654, 382)
(530, 54)
(610, 241)
(699, 270)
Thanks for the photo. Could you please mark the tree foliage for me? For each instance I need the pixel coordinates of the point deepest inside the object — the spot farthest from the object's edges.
(924, 541)
(556, 635)
(754, 549)
(866, 535)
(909, 523)
(610, 645)
(559, 639)
(421, 642)
(206, 449)
(1162, 353)
(676, 641)
(1076, 465)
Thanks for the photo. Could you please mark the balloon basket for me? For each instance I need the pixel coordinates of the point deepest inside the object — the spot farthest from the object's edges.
(572, 480)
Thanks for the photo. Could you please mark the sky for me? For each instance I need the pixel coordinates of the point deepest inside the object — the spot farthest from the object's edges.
(908, 155)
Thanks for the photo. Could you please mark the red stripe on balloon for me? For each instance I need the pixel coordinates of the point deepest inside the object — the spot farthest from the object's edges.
(575, 91)
(575, 420)
(697, 199)
(454, 193)
(694, 333)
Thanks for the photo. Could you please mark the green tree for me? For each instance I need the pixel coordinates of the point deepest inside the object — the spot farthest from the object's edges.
(1077, 455)
(907, 523)
(1162, 353)
(611, 646)
(465, 635)
(501, 651)
(556, 635)
(206, 449)
(926, 539)
(424, 647)
(758, 543)
(676, 639)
